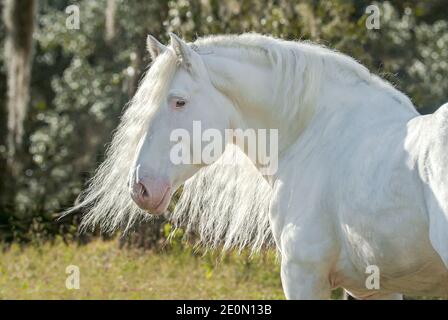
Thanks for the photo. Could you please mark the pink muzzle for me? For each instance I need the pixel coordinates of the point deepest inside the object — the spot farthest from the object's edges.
(151, 194)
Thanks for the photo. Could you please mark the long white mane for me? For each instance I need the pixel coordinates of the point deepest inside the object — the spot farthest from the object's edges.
(107, 199)
(224, 204)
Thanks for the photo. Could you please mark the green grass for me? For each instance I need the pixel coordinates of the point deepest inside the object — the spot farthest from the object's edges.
(107, 272)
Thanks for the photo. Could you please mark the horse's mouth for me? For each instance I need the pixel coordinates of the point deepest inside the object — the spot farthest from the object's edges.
(163, 204)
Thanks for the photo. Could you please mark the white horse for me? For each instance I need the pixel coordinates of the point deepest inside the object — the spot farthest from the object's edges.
(362, 182)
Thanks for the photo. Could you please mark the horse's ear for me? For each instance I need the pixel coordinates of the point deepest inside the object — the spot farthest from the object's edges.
(154, 47)
(182, 50)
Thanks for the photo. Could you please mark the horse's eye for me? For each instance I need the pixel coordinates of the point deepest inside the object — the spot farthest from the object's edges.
(180, 103)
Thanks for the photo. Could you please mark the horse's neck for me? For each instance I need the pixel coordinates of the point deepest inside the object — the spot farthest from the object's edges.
(250, 85)
(358, 100)
(244, 83)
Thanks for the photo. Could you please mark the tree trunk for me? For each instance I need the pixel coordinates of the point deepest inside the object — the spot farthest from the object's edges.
(19, 17)
(111, 9)
(19, 20)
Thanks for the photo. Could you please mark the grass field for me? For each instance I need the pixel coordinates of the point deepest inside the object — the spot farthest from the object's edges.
(107, 272)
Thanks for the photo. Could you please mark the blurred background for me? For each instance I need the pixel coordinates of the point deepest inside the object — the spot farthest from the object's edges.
(67, 69)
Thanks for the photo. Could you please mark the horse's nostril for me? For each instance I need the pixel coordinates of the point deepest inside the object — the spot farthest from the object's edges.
(142, 190)
(152, 195)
